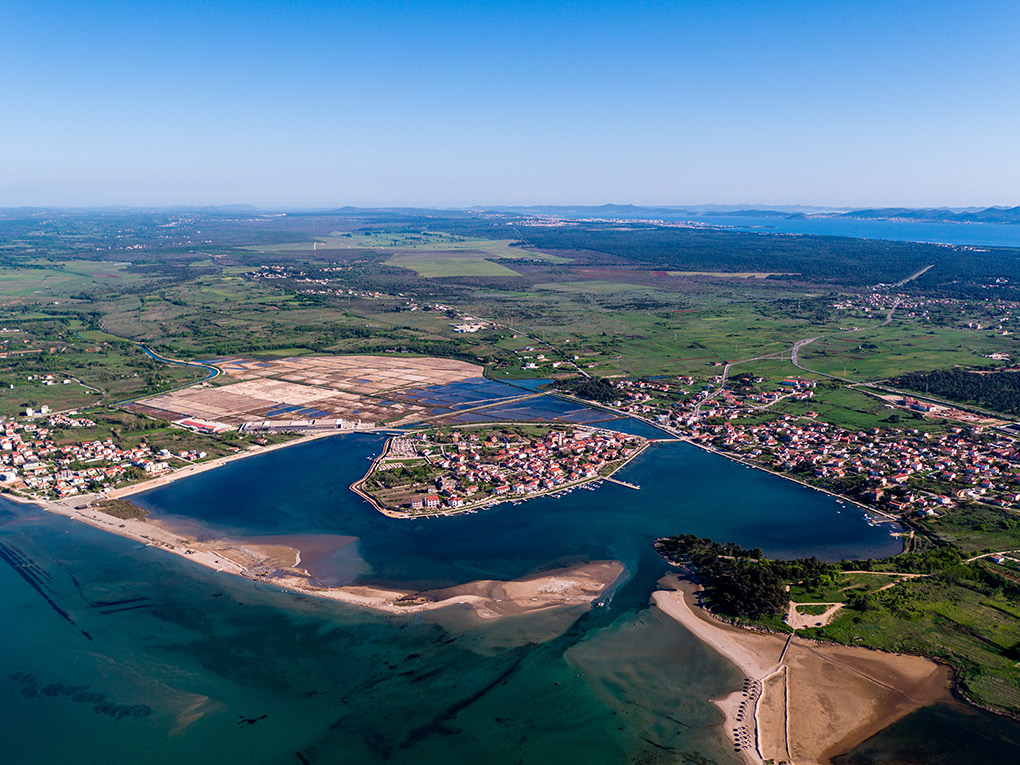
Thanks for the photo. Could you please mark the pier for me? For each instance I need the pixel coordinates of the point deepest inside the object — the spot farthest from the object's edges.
(623, 483)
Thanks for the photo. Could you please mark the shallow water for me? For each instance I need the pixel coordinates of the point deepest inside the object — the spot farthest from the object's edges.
(156, 657)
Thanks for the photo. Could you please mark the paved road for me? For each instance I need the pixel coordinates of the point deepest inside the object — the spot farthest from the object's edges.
(795, 351)
(913, 276)
(793, 355)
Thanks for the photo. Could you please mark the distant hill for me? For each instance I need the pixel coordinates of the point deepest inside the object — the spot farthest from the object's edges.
(942, 214)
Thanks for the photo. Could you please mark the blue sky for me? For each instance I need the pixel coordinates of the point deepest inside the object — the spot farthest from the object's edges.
(463, 103)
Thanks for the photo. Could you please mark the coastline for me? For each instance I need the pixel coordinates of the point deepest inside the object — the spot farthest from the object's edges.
(278, 565)
(866, 508)
(805, 701)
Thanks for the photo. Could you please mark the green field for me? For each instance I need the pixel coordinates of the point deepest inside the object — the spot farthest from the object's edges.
(968, 623)
(41, 279)
(436, 265)
(903, 346)
(856, 410)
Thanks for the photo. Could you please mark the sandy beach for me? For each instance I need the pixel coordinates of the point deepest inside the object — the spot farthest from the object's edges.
(804, 701)
(280, 565)
(581, 584)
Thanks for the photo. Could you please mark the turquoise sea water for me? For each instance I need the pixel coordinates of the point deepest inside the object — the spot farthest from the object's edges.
(120, 652)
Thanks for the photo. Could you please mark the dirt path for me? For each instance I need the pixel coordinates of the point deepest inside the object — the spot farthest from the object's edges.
(803, 701)
(988, 555)
(798, 620)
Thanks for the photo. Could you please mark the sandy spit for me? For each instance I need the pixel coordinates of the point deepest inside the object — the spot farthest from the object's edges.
(277, 564)
(805, 702)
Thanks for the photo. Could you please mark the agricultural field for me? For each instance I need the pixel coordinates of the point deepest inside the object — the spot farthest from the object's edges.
(625, 303)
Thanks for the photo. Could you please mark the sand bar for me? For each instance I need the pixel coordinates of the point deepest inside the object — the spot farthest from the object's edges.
(278, 564)
(806, 701)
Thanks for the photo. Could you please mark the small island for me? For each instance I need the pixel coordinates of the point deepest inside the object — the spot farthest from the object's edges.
(461, 469)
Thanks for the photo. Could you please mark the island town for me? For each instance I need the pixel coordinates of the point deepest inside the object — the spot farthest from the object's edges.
(462, 469)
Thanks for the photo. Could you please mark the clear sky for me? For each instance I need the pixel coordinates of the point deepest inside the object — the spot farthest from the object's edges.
(392, 102)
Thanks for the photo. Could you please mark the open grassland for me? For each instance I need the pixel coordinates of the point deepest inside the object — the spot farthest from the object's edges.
(594, 287)
(615, 312)
(99, 368)
(438, 242)
(840, 590)
(41, 279)
(730, 274)
(853, 409)
(975, 527)
(417, 243)
(961, 619)
(903, 346)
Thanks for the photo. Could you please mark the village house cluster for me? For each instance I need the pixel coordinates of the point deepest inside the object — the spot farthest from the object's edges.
(902, 470)
(32, 462)
(994, 315)
(476, 469)
(675, 403)
(321, 285)
(898, 470)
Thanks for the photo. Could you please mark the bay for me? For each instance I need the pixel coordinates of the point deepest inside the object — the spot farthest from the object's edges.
(122, 652)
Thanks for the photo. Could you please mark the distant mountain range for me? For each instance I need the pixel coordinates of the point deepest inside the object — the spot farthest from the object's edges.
(970, 215)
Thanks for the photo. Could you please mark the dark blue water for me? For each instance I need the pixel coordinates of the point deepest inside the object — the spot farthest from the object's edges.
(978, 234)
(683, 489)
(121, 652)
(475, 391)
(534, 384)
